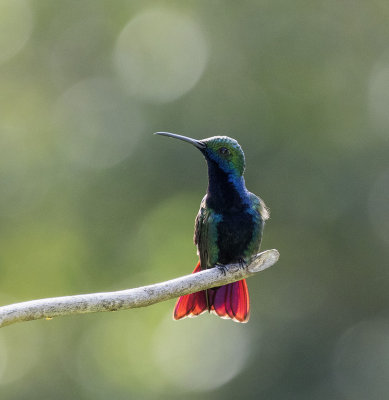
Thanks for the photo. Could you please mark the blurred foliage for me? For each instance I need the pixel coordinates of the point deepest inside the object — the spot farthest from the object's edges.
(91, 201)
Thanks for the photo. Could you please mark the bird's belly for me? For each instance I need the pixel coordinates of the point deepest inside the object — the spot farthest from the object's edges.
(235, 236)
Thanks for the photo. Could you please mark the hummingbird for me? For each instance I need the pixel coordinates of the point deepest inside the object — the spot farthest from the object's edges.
(228, 229)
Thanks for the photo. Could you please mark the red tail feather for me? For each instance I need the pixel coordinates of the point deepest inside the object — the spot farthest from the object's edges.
(232, 301)
(192, 304)
(228, 301)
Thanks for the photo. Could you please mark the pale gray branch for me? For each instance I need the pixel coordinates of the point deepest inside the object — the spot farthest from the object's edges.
(133, 298)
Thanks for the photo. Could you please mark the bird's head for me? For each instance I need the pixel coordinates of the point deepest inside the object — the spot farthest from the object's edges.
(223, 150)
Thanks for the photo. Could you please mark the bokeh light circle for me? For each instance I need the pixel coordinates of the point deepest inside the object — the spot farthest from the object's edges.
(16, 23)
(361, 361)
(97, 127)
(160, 55)
(201, 355)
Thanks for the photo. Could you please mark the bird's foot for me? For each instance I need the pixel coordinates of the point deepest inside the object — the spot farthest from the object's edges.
(242, 263)
(222, 268)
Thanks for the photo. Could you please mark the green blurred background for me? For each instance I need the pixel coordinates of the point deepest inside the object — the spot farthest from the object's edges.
(91, 201)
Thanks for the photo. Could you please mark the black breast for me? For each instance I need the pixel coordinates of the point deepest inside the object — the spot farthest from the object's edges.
(235, 232)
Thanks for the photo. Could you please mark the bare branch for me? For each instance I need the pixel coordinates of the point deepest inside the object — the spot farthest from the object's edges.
(134, 298)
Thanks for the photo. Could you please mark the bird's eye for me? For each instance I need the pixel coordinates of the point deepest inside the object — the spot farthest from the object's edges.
(224, 151)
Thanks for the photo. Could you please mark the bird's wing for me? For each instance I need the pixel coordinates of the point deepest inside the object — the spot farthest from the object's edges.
(206, 235)
(259, 206)
(260, 214)
(201, 234)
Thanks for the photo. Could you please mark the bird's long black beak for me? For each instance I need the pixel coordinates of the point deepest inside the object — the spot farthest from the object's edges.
(197, 143)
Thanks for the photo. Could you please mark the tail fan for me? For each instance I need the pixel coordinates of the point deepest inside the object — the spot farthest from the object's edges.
(228, 301)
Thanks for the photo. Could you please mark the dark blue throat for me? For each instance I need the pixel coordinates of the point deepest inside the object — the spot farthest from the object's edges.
(226, 191)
